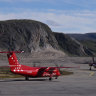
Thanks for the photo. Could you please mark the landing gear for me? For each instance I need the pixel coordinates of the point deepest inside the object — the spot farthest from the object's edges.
(56, 77)
(26, 78)
(50, 78)
(90, 68)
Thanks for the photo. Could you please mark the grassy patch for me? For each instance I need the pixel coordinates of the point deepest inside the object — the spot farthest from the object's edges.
(6, 73)
(63, 72)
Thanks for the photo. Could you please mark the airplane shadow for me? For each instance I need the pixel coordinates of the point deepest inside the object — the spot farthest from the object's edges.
(31, 80)
(23, 80)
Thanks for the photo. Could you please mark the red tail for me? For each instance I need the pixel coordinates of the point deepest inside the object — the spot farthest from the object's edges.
(13, 62)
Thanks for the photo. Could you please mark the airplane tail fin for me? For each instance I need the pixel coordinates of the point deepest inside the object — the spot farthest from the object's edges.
(13, 61)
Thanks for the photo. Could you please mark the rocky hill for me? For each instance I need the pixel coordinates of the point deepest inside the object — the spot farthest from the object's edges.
(30, 35)
(88, 40)
(27, 35)
(71, 46)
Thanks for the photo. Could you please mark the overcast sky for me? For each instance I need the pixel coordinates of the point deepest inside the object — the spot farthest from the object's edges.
(68, 16)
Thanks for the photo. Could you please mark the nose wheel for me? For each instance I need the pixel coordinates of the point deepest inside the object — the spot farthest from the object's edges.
(50, 78)
(56, 77)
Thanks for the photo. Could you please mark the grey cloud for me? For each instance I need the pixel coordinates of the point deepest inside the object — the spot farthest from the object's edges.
(52, 23)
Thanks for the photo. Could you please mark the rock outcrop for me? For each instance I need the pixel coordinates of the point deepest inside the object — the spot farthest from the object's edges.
(30, 35)
(27, 35)
(71, 46)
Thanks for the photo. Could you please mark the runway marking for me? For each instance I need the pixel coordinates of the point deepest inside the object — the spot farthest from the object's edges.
(91, 74)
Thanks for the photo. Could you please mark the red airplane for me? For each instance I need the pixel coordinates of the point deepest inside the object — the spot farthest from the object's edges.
(28, 71)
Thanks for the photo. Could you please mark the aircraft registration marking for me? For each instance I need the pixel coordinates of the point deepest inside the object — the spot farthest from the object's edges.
(47, 74)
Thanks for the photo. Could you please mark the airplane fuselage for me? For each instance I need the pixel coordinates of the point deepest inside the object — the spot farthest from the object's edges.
(35, 71)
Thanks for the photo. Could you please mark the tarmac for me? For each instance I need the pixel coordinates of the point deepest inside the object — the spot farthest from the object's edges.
(81, 83)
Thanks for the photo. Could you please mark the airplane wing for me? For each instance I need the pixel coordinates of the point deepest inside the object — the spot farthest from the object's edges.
(59, 67)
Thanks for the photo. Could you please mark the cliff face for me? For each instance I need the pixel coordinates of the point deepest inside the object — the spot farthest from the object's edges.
(71, 46)
(29, 35)
(26, 35)
(88, 40)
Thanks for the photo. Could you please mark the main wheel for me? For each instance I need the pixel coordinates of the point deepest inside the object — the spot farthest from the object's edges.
(90, 68)
(26, 78)
(50, 79)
